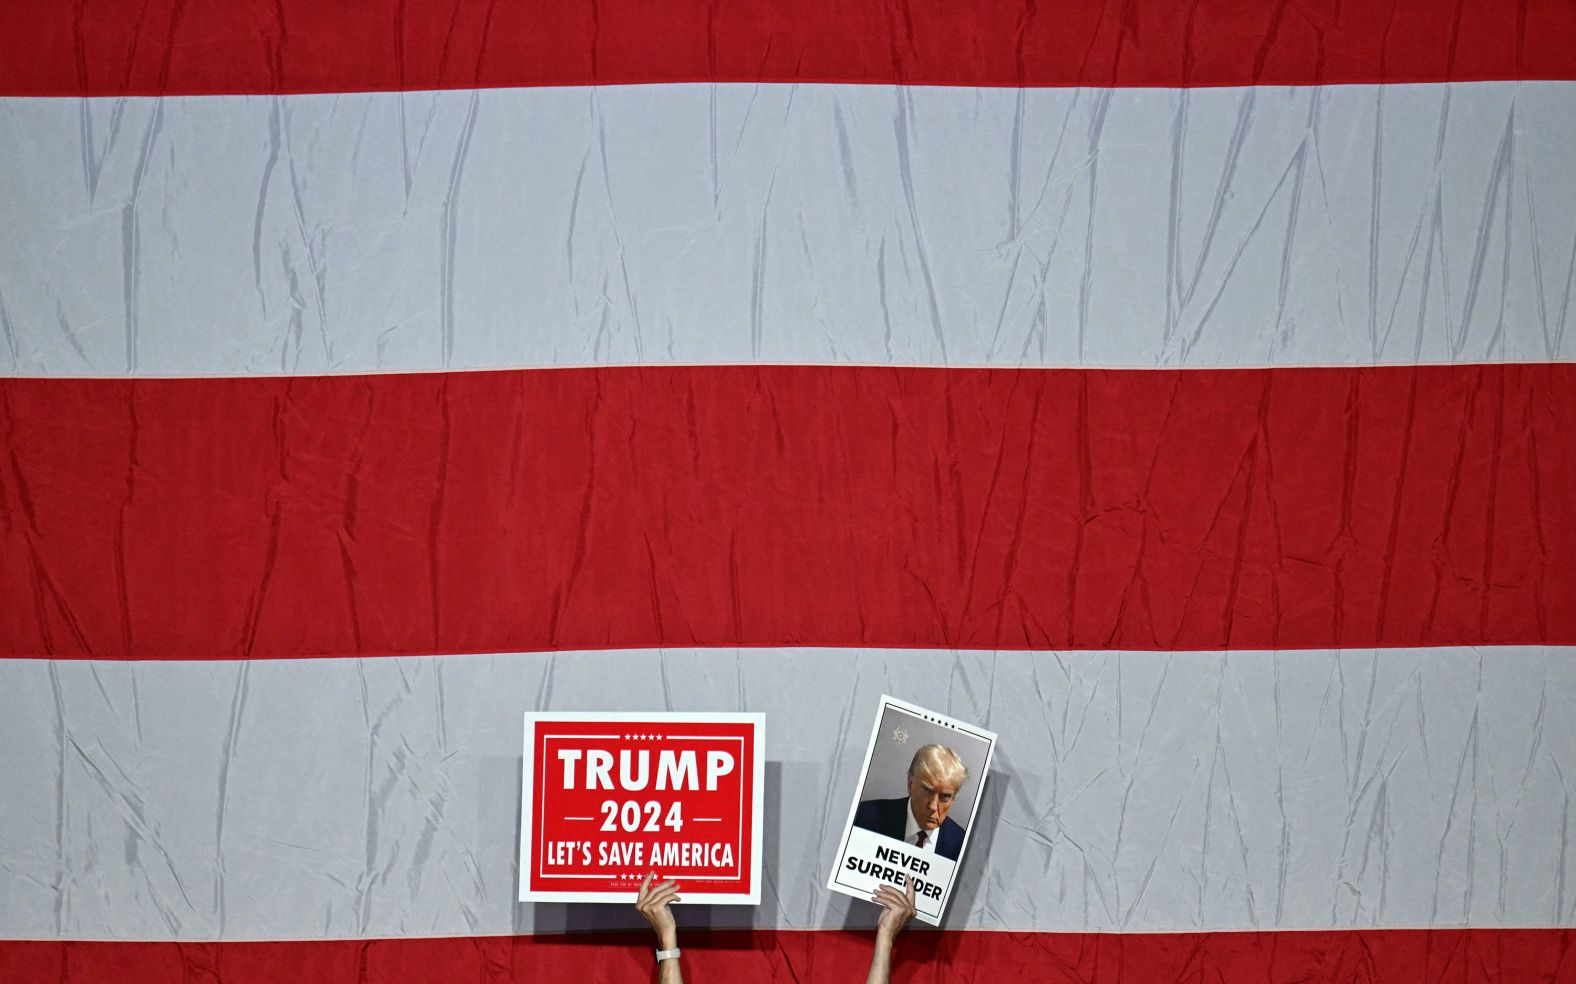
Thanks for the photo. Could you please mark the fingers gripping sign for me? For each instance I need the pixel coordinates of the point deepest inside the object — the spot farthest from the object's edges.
(898, 909)
(652, 903)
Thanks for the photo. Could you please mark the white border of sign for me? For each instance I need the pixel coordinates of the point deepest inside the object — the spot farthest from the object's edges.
(850, 831)
(528, 779)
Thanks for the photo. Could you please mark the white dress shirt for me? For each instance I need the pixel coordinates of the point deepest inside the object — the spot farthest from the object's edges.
(911, 830)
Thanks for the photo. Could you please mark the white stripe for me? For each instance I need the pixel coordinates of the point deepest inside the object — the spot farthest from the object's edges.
(787, 224)
(1132, 791)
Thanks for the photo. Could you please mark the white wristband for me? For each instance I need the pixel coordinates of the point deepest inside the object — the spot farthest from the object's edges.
(672, 954)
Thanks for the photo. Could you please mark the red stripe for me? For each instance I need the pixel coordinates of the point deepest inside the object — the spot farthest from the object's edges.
(1502, 956)
(591, 508)
(49, 47)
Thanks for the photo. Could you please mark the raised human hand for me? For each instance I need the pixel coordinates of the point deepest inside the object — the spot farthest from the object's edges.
(652, 904)
(898, 909)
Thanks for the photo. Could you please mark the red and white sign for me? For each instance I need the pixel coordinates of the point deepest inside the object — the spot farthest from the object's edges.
(607, 798)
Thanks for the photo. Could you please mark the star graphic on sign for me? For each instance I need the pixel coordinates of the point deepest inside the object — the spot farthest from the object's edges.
(900, 736)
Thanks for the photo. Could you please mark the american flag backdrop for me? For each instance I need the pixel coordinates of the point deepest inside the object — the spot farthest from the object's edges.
(1182, 390)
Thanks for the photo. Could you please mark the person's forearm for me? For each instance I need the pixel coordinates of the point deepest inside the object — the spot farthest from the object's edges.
(670, 973)
(880, 962)
(652, 904)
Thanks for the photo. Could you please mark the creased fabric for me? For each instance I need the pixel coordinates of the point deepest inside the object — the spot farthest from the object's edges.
(1131, 792)
(1184, 391)
(617, 508)
(203, 46)
(715, 957)
(837, 224)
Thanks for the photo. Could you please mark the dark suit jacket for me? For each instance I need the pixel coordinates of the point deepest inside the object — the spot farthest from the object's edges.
(890, 816)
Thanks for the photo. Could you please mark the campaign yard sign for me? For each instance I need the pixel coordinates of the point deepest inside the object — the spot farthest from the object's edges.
(915, 807)
(608, 797)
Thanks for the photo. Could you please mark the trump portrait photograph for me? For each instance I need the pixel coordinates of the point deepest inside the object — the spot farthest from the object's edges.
(921, 782)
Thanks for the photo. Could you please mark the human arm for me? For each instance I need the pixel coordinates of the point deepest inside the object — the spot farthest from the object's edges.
(898, 909)
(652, 904)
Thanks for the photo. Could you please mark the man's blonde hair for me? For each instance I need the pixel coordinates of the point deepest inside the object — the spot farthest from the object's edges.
(940, 764)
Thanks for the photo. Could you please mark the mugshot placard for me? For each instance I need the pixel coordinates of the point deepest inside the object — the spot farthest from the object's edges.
(915, 806)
